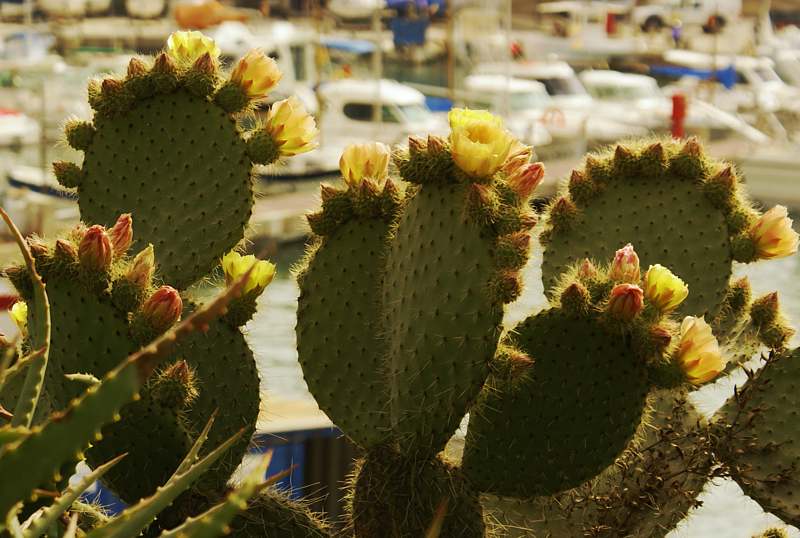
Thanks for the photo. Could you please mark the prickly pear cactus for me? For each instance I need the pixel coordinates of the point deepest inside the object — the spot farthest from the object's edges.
(570, 386)
(104, 306)
(412, 347)
(677, 206)
(165, 146)
(757, 432)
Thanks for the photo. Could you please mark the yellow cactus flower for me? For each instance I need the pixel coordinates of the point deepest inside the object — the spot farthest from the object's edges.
(359, 161)
(663, 289)
(478, 142)
(256, 74)
(698, 353)
(773, 235)
(19, 314)
(292, 129)
(235, 265)
(185, 47)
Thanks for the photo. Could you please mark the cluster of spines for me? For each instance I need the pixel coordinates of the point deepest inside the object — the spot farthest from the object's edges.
(370, 199)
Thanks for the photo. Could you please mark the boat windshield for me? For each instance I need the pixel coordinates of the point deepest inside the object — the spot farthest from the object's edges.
(563, 86)
(415, 113)
(624, 92)
(527, 100)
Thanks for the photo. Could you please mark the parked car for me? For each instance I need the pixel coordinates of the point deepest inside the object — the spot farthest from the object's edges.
(713, 14)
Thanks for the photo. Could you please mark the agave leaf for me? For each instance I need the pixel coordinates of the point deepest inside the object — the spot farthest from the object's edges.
(214, 521)
(62, 503)
(133, 520)
(39, 329)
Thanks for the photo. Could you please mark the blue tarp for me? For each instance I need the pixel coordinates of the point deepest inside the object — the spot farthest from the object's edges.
(726, 77)
(352, 46)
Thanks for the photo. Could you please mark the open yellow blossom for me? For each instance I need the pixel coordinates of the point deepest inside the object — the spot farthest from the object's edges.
(19, 314)
(773, 235)
(478, 142)
(698, 353)
(292, 129)
(256, 74)
(663, 289)
(185, 47)
(235, 265)
(359, 161)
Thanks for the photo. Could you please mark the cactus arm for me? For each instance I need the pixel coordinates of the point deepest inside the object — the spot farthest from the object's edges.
(68, 432)
(72, 527)
(62, 504)
(133, 520)
(18, 367)
(40, 335)
(214, 522)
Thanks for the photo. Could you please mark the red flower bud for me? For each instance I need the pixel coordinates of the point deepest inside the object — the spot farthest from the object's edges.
(94, 251)
(163, 308)
(122, 234)
(626, 301)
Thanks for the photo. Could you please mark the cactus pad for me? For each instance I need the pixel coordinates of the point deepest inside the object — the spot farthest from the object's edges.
(91, 334)
(155, 173)
(339, 285)
(162, 148)
(677, 207)
(551, 425)
(398, 497)
(759, 434)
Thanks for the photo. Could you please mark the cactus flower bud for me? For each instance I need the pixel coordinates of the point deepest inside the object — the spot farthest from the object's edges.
(660, 337)
(292, 129)
(416, 145)
(95, 250)
(626, 301)
(773, 235)
(625, 267)
(66, 250)
(122, 234)
(136, 68)
(587, 270)
(19, 315)
(256, 74)
(698, 353)
(663, 289)
(187, 47)
(37, 247)
(479, 143)
(435, 144)
(142, 267)
(360, 161)
(525, 179)
(765, 310)
(235, 265)
(518, 155)
(163, 308)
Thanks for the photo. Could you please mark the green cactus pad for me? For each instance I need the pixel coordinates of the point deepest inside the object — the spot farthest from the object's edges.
(171, 154)
(91, 335)
(758, 436)
(645, 495)
(442, 320)
(398, 497)
(549, 427)
(662, 202)
(337, 334)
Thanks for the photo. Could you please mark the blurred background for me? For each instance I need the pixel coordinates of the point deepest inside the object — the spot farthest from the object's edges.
(567, 76)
